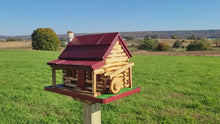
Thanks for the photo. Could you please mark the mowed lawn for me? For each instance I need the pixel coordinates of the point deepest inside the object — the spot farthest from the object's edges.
(174, 89)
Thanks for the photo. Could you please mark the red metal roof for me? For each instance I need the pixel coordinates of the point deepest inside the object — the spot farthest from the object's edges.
(90, 50)
(92, 47)
(90, 64)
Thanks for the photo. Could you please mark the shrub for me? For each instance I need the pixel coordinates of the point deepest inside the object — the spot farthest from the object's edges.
(45, 39)
(199, 45)
(217, 42)
(177, 44)
(64, 39)
(10, 39)
(193, 37)
(174, 37)
(128, 37)
(149, 44)
(163, 47)
(63, 44)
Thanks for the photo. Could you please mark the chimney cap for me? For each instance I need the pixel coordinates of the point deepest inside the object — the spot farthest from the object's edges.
(68, 32)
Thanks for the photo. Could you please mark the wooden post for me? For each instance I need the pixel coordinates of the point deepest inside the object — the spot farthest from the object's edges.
(94, 83)
(130, 77)
(53, 77)
(92, 113)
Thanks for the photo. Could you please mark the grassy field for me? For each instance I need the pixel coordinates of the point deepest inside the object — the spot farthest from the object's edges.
(174, 89)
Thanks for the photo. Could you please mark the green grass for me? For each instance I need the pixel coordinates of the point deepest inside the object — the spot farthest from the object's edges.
(104, 96)
(174, 89)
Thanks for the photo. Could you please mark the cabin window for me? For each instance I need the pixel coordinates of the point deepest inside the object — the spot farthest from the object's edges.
(98, 77)
(74, 73)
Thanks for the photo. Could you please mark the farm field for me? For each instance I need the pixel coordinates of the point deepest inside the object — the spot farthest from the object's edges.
(16, 45)
(174, 89)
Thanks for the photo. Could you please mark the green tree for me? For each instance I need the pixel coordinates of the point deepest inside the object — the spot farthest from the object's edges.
(199, 45)
(216, 42)
(174, 37)
(177, 44)
(45, 39)
(155, 36)
(193, 37)
(163, 47)
(149, 44)
(63, 39)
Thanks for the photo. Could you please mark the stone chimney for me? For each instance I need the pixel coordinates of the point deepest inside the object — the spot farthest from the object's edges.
(70, 35)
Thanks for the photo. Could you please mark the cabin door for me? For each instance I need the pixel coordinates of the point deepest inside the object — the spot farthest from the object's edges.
(81, 78)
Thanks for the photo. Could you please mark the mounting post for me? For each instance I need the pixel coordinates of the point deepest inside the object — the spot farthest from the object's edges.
(92, 113)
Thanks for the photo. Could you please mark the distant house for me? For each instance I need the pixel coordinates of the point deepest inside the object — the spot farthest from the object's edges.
(212, 38)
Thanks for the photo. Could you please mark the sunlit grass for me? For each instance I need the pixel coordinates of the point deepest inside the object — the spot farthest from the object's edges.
(174, 89)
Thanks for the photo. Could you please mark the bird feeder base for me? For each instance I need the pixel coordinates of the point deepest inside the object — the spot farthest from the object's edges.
(103, 99)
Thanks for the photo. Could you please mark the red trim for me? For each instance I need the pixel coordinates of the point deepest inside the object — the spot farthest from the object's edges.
(73, 94)
(91, 64)
(121, 42)
(124, 46)
(109, 49)
(61, 90)
(119, 96)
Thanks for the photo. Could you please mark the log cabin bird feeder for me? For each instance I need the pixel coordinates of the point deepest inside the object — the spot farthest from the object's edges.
(94, 65)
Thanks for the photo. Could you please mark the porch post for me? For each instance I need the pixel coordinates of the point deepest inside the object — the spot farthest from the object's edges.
(130, 77)
(94, 83)
(53, 77)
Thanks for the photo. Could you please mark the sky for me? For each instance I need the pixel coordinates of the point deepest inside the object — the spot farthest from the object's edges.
(22, 17)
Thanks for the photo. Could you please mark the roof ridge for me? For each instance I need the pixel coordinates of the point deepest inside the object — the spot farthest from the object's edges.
(97, 34)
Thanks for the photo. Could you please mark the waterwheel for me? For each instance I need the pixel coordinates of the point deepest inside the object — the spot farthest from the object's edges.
(115, 85)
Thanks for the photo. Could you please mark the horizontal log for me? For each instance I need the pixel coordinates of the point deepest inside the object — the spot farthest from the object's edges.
(88, 81)
(89, 88)
(67, 81)
(112, 68)
(121, 70)
(117, 51)
(84, 91)
(102, 78)
(117, 47)
(97, 89)
(117, 43)
(99, 85)
(115, 64)
(126, 78)
(126, 85)
(119, 75)
(116, 59)
(126, 71)
(107, 86)
(71, 78)
(117, 55)
(107, 73)
(71, 85)
(99, 71)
